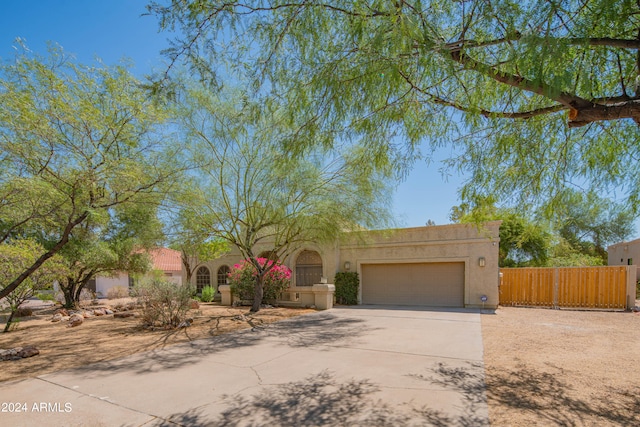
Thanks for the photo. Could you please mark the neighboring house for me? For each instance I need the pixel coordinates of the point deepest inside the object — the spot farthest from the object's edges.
(163, 259)
(438, 266)
(625, 253)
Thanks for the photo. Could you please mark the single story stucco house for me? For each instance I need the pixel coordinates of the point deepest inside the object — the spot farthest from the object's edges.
(437, 266)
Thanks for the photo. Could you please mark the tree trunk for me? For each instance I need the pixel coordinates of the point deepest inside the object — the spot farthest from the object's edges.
(51, 252)
(6, 327)
(258, 293)
(69, 293)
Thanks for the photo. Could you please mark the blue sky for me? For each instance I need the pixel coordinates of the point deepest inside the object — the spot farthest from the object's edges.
(114, 29)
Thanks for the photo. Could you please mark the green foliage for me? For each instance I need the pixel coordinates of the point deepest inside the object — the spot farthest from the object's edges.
(589, 223)
(523, 242)
(506, 83)
(207, 294)
(79, 146)
(45, 296)
(249, 193)
(347, 284)
(164, 304)
(14, 258)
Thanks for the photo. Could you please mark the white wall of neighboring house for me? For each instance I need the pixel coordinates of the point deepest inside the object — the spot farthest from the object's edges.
(174, 276)
(103, 284)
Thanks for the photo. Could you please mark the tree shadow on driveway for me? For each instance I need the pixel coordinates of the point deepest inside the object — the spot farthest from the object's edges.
(324, 400)
(468, 382)
(315, 329)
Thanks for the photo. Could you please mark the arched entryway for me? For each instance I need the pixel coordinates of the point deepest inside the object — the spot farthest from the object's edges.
(203, 278)
(308, 268)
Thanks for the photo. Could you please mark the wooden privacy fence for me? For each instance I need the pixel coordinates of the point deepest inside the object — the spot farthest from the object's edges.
(575, 287)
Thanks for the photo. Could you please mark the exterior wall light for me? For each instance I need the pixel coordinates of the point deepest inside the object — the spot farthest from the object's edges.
(481, 261)
(347, 265)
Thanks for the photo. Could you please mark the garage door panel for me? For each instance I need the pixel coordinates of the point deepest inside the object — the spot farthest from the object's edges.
(430, 284)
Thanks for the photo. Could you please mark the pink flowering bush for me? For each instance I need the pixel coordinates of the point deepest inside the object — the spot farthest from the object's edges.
(242, 279)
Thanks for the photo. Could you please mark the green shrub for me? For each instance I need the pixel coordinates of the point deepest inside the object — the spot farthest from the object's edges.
(347, 284)
(163, 303)
(207, 294)
(46, 296)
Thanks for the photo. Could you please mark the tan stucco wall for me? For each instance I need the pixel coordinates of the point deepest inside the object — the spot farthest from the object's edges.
(621, 253)
(447, 243)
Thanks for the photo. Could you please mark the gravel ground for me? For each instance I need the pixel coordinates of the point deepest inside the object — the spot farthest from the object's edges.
(562, 368)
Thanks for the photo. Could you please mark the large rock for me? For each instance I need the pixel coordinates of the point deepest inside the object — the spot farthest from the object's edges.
(56, 317)
(63, 312)
(28, 351)
(76, 319)
(18, 353)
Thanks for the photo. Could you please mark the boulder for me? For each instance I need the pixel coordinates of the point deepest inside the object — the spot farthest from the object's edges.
(76, 319)
(18, 353)
(28, 351)
(108, 311)
(123, 314)
(63, 312)
(56, 317)
(99, 312)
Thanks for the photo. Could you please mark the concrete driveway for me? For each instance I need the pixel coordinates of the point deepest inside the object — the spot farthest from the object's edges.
(365, 365)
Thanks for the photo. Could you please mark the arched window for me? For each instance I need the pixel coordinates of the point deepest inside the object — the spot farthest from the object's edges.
(203, 278)
(223, 275)
(308, 268)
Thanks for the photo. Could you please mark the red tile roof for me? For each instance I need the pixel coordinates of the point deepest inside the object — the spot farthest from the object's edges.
(166, 259)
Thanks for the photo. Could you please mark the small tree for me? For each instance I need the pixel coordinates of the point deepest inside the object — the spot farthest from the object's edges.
(250, 195)
(242, 279)
(16, 256)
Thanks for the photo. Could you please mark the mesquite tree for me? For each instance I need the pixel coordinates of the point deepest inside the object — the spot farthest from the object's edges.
(250, 195)
(534, 96)
(76, 142)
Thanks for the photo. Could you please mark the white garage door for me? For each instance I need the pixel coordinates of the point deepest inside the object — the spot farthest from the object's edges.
(437, 284)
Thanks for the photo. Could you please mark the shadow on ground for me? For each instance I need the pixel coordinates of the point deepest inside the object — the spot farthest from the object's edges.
(469, 382)
(323, 400)
(310, 330)
(544, 398)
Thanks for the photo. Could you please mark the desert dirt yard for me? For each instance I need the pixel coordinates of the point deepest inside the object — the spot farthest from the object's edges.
(104, 338)
(548, 367)
(543, 367)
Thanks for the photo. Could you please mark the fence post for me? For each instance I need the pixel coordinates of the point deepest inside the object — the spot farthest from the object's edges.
(631, 287)
(555, 288)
